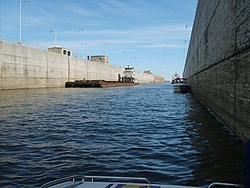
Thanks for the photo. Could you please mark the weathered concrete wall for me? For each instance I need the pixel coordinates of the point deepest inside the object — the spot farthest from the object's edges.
(25, 67)
(159, 79)
(218, 61)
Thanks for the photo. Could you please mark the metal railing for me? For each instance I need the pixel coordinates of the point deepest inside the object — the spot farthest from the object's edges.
(117, 179)
(72, 180)
(217, 184)
(75, 181)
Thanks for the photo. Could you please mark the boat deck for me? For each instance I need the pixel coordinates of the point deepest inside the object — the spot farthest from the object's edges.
(117, 182)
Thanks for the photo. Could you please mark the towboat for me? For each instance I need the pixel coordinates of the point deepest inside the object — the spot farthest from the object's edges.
(129, 74)
(116, 182)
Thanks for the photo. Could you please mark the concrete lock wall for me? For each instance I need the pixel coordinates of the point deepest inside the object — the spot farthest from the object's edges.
(24, 67)
(218, 61)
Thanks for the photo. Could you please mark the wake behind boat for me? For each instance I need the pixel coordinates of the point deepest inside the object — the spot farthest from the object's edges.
(116, 182)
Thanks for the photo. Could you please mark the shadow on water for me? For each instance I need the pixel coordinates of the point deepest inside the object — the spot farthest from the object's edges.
(142, 131)
(219, 151)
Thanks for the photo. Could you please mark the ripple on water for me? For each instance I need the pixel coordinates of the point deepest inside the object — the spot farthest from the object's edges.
(146, 131)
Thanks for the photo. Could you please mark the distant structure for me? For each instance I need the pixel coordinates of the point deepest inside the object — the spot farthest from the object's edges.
(61, 50)
(100, 58)
(148, 72)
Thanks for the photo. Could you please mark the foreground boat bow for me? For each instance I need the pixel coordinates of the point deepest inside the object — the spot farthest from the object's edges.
(116, 182)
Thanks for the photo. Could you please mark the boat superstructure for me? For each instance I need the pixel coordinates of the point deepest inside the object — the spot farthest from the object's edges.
(175, 77)
(128, 74)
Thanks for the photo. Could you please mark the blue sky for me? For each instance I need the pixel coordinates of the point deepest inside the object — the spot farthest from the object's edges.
(148, 34)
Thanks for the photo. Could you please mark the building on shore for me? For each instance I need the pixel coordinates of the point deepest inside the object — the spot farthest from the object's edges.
(60, 50)
(148, 72)
(100, 58)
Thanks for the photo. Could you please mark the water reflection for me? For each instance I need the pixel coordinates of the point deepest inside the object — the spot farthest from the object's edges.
(220, 160)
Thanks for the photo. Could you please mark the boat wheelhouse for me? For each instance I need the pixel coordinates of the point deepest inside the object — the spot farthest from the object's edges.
(128, 74)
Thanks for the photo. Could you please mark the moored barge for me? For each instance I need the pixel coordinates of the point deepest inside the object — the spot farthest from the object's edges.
(99, 83)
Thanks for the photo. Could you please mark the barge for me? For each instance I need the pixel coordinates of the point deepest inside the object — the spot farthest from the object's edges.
(99, 83)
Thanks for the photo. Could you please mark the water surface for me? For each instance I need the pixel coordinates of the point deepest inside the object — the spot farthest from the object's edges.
(142, 131)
